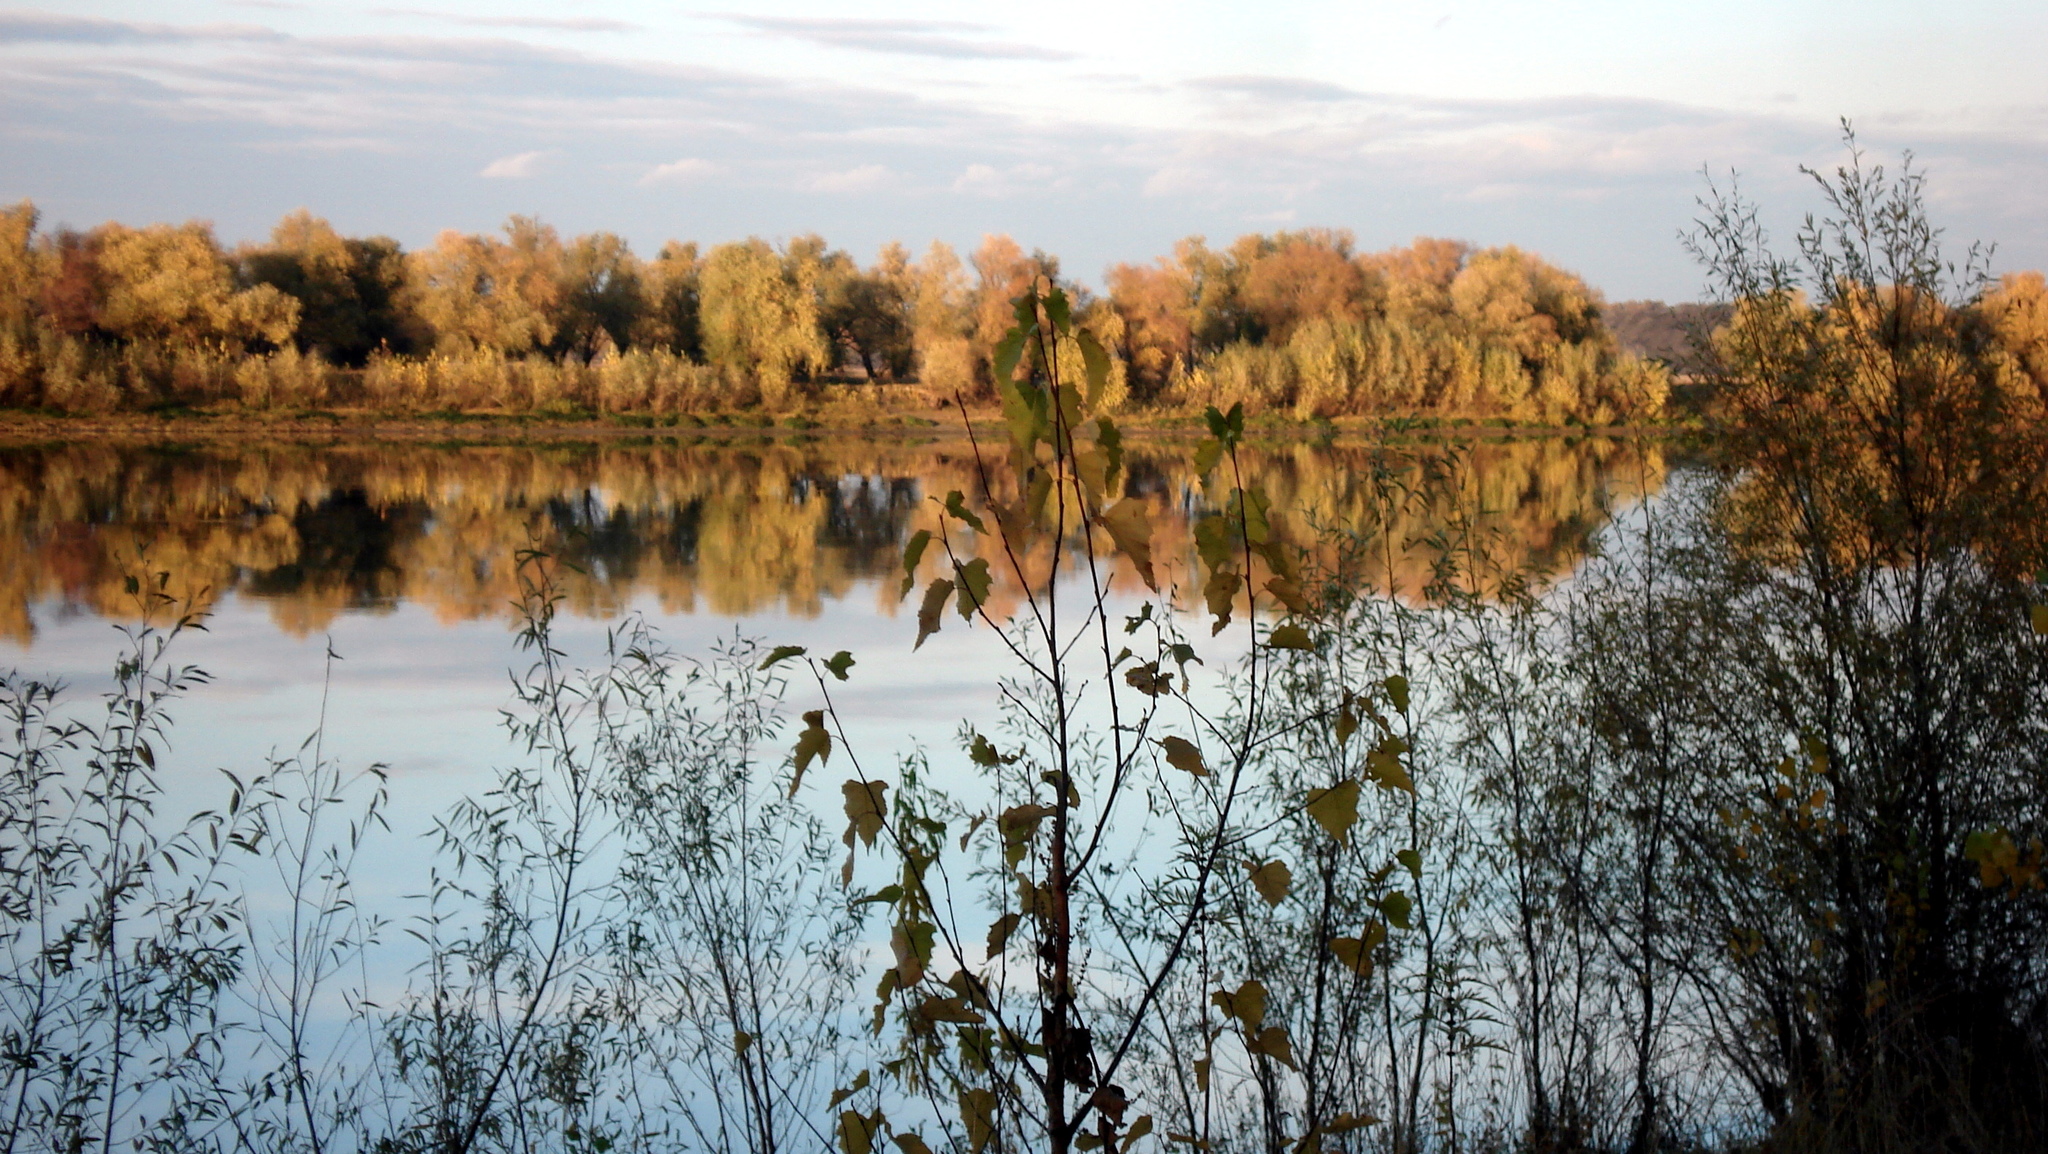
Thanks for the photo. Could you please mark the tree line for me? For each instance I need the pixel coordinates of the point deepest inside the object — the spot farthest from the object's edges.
(1298, 322)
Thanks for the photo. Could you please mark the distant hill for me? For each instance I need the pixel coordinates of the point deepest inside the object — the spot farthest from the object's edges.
(1667, 333)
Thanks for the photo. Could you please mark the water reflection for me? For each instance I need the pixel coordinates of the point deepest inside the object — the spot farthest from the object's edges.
(314, 531)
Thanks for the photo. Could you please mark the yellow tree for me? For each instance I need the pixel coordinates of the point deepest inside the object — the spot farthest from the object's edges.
(480, 293)
(760, 316)
(941, 319)
(173, 285)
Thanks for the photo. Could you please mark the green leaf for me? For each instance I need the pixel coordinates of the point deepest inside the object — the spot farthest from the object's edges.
(935, 596)
(1413, 862)
(1335, 809)
(1058, 310)
(890, 894)
(1207, 454)
(839, 664)
(2039, 615)
(1219, 425)
(1095, 364)
(813, 743)
(956, 504)
(1112, 444)
(1182, 754)
(1213, 543)
(1290, 636)
(974, 582)
(1009, 351)
(913, 552)
(985, 754)
(1018, 825)
(782, 653)
(1397, 907)
(1129, 522)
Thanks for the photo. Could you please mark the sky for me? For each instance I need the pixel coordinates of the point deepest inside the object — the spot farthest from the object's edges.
(1100, 131)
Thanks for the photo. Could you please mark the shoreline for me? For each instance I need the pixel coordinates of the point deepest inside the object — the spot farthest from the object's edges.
(343, 425)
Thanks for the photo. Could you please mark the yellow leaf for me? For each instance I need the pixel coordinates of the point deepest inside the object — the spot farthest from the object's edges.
(863, 810)
(1018, 824)
(978, 1115)
(741, 1041)
(1272, 880)
(1247, 1003)
(1288, 594)
(1275, 1044)
(1202, 1066)
(1397, 692)
(813, 743)
(928, 613)
(1353, 954)
(1221, 593)
(1139, 1129)
(2039, 614)
(911, 1144)
(1290, 636)
(999, 933)
(1386, 769)
(1129, 522)
(1181, 754)
(857, 1131)
(1335, 809)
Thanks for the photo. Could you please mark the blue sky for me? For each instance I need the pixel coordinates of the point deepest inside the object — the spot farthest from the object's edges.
(1100, 131)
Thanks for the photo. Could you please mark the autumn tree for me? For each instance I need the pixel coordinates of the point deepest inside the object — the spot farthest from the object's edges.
(350, 290)
(602, 295)
(477, 292)
(175, 286)
(760, 315)
(941, 319)
(672, 300)
(868, 313)
(1157, 304)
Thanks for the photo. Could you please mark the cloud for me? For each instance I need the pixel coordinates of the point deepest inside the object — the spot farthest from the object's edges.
(990, 181)
(681, 171)
(901, 37)
(861, 178)
(49, 27)
(518, 166)
(541, 23)
(141, 121)
(1274, 88)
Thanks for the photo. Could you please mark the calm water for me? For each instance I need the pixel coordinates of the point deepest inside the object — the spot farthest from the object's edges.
(403, 558)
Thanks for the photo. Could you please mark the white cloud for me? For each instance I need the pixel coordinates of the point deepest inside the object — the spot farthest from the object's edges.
(518, 166)
(682, 171)
(863, 178)
(988, 180)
